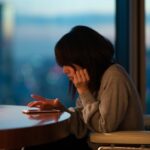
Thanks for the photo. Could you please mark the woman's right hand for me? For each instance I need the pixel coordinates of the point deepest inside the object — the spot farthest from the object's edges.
(45, 103)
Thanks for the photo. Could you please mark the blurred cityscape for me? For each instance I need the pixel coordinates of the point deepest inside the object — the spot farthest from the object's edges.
(27, 61)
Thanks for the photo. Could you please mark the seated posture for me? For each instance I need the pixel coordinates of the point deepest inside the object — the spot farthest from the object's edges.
(107, 98)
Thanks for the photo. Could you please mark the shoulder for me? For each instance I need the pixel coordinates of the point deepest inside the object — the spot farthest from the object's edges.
(115, 70)
(115, 73)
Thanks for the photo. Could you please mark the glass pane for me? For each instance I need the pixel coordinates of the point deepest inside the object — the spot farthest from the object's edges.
(147, 33)
(33, 30)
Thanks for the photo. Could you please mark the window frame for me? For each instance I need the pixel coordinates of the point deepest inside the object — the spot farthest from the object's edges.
(130, 41)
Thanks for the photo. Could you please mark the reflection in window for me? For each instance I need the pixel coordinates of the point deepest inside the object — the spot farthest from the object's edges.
(35, 28)
(147, 33)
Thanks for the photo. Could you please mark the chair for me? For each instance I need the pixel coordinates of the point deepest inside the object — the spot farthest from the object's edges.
(124, 140)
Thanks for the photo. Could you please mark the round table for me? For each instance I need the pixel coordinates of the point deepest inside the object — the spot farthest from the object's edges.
(19, 130)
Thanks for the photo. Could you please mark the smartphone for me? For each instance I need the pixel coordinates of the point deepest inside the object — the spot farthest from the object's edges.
(36, 110)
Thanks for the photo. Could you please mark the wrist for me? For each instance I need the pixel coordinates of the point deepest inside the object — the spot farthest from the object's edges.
(82, 91)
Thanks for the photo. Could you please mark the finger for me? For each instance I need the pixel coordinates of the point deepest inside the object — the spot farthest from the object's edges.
(35, 104)
(59, 105)
(56, 101)
(86, 75)
(39, 98)
(75, 79)
(30, 104)
(82, 75)
(79, 78)
(43, 107)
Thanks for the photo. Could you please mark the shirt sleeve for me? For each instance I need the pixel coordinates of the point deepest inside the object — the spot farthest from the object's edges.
(77, 125)
(105, 113)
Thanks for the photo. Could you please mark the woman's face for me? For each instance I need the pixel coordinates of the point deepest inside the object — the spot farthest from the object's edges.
(70, 71)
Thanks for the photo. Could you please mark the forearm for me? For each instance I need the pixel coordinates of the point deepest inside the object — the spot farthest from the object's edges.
(77, 126)
(105, 113)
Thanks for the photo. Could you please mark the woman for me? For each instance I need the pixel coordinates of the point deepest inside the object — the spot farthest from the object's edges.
(107, 98)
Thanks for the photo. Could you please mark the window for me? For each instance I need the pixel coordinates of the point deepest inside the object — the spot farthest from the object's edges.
(32, 33)
(147, 43)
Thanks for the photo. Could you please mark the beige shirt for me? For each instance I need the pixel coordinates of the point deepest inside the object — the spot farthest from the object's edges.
(117, 106)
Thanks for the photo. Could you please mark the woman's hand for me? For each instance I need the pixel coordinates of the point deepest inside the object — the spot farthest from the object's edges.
(81, 79)
(45, 103)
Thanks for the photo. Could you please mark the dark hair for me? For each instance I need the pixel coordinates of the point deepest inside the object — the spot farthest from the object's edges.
(87, 48)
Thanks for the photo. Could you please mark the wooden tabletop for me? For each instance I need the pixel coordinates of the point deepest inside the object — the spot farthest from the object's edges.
(19, 130)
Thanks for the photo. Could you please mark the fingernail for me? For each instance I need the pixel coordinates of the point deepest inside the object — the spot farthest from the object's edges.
(56, 99)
